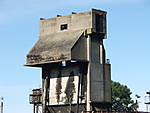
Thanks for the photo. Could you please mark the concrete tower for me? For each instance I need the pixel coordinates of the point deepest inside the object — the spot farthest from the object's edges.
(75, 74)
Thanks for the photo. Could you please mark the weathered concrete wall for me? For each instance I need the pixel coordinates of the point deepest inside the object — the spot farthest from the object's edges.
(78, 51)
(67, 109)
(64, 81)
(107, 81)
(74, 22)
(97, 82)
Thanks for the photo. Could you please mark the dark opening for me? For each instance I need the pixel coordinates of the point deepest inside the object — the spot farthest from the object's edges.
(63, 26)
(99, 23)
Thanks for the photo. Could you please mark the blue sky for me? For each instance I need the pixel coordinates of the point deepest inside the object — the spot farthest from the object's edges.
(127, 44)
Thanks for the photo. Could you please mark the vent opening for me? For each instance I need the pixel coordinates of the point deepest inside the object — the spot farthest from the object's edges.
(64, 26)
(99, 23)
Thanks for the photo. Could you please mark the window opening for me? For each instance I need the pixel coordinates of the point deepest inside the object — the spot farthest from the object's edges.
(64, 26)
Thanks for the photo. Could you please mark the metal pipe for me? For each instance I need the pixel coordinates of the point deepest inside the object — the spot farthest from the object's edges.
(44, 95)
(147, 107)
(37, 108)
(2, 105)
(34, 108)
(101, 54)
(88, 107)
(78, 94)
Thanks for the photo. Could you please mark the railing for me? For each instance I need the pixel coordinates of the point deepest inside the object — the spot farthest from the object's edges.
(35, 97)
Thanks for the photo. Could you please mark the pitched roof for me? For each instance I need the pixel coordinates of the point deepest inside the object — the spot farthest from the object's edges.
(53, 47)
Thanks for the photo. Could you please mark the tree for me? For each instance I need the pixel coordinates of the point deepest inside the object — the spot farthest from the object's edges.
(121, 100)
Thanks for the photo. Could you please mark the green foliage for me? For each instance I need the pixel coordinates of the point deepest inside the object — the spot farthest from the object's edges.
(121, 100)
